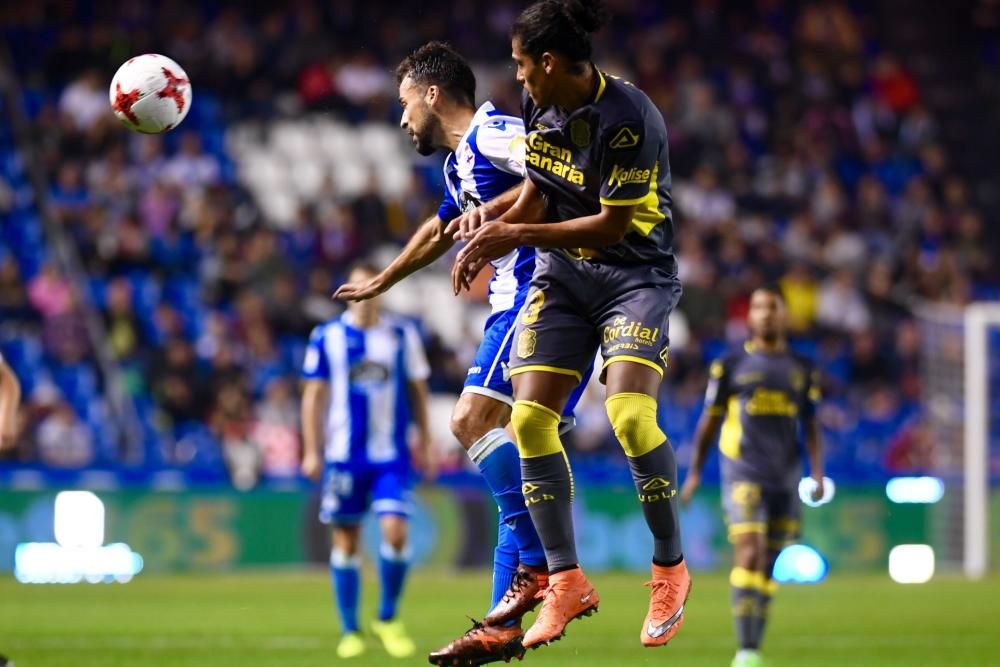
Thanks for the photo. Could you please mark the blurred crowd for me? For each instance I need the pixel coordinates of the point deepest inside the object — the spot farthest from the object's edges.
(802, 152)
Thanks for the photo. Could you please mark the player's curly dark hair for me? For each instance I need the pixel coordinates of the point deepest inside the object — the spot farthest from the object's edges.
(562, 26)
(439, 64)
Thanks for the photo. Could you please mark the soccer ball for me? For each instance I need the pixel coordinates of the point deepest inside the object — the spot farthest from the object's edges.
(150, 94)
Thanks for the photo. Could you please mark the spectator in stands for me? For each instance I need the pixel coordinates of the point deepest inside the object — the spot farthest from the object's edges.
(120, 322)
(85, 101)
(63, 440)
(15, 306)
(191, 166)
(840, 305)
(276, 429)
(231, 423)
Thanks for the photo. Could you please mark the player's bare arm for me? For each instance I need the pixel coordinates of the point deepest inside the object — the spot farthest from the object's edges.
(498, 237)
(528, 207)
(464, 226)
(424, 449)
(704, 436)
(10, 397)
(315, 397)
(814, 450)
(427, 245)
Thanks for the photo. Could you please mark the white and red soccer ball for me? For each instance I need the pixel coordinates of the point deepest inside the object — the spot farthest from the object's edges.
(150, 93)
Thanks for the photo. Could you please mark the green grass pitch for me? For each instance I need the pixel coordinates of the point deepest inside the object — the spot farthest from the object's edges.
(281, 618)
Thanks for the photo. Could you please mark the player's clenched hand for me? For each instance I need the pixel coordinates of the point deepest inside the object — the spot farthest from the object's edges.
(818, 488)
(691, 485)
(361, 290)
(493, 240)
(312, 466)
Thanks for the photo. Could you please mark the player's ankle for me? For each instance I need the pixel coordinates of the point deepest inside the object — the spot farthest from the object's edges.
(669, 563)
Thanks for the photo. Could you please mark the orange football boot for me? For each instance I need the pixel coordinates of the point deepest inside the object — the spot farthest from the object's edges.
(670, 588)
(568, 597)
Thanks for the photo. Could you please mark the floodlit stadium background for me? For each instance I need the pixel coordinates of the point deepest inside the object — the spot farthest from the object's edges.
(156, 292)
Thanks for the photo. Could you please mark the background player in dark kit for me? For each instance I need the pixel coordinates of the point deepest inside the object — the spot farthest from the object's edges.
(760, 395)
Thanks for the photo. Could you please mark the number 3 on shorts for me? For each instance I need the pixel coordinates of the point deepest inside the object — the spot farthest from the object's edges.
(533, 307)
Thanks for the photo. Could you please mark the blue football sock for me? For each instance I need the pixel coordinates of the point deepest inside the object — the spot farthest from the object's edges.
(393, 565)
(504, 563)
(498, 460)
(344, 574)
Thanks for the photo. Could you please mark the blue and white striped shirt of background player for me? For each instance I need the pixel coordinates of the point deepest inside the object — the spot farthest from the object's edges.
(489, 161)
(369, 371)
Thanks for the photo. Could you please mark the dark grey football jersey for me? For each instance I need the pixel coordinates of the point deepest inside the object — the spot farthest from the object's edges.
(611, 151)
(764, 397)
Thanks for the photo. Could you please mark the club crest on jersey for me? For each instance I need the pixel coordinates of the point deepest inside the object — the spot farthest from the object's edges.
(579, 132)
(797, 379)
(467, 156)
(526, 342)
(625, 138)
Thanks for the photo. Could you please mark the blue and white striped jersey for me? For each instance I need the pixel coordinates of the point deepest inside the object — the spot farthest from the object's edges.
(368, 371)
(489, 161)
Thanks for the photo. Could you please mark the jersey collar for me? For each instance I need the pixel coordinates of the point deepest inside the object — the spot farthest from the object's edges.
(348, 319)
(482, 113)
(601, 84)
(750, 348)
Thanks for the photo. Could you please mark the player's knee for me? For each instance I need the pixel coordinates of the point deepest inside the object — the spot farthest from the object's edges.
(394, 530)
(536, 429)
(474, 416)
(633, 418)
(467, 425)
(395, 543)
(750, 554)
(346, 540)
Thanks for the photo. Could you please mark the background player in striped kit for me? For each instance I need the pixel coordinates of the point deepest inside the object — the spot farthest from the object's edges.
(365, 381)
(763, 396)
(483, 175)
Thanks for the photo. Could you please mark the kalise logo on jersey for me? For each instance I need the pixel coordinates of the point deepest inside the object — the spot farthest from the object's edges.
(621, 176)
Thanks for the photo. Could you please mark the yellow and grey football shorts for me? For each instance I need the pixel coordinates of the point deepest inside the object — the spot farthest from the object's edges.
(577, 306)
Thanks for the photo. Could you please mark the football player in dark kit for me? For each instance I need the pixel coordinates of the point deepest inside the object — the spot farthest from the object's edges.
(597, 206)
(763, 396)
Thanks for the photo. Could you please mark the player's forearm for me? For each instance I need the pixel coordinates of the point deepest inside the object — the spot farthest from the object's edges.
(10, 398)
(592, 231)
(313, 399)
(814, 448)
(529, 207)
(503, 203)
(427, 245)
(704, 435)
(420, 400)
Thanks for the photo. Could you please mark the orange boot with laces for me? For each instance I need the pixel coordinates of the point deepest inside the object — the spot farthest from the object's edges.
(670, 587)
